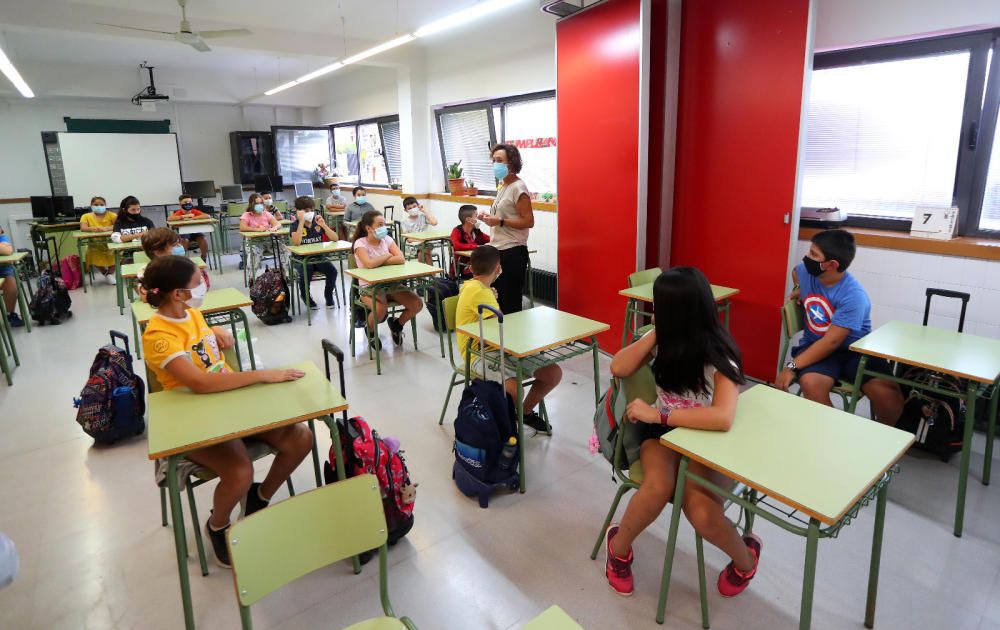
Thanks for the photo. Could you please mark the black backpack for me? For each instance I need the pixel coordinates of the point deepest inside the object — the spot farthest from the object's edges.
(52, 302)
(937, 421)
(443, 288)
(269, 297)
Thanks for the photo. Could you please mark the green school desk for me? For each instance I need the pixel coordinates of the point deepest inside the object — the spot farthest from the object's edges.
(197, 226)
(250, 265)
(119, 249)
(6, 341)
(975, 360)
(410, 276)
(301, 256)
(16, 260)
(84, 238)
(534, 338)
(181, 421)
(221, 307)
(643, 293)
(431, 238)
(822, 462)
(58, 231)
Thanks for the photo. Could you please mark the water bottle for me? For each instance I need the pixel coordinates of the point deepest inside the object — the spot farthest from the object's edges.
(508, 454)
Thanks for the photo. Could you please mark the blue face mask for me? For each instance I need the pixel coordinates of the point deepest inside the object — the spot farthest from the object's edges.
(500, 170)
(98, 209)
(381, 232)
(359, 199)
(187, 206)
(258, 207)
(177, 250)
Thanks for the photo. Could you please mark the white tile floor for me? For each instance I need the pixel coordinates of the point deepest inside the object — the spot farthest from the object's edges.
(93, 554)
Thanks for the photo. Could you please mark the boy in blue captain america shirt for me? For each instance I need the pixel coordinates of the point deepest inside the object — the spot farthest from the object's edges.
(837, 313)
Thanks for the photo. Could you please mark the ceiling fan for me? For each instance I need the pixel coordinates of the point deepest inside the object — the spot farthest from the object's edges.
(194, 39)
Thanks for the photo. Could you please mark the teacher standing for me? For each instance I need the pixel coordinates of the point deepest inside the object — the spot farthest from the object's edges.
(510, 218)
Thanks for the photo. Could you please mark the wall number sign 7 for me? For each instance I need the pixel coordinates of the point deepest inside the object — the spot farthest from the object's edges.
(934, 222)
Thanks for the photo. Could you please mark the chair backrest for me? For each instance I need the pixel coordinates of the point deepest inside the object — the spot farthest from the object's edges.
(281, 205)
(792, 323)
(643, 277)
(641, 385)
(153, 384)
(140, 257)
(236, 209)
(449, 312)
(552, 619)
(299, 535)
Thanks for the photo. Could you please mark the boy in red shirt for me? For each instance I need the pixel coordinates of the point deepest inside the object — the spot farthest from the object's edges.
(466, 237)
(186, 213)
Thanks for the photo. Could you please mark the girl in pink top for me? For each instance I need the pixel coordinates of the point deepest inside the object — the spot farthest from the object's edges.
(373, 247)
(257, 219)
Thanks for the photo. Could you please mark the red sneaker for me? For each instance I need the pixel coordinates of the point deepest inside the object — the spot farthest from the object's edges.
(732, 581)
(618, 570)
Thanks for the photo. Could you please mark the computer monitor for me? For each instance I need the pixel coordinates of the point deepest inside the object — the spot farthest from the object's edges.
(200, 189)
(43, 208)
(63, 205)
(268, 183)
(232, 193)
(304, 189)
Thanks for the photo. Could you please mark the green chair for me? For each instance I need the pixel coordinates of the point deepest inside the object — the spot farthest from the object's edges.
(7, 342)
(792, 323)
(393, 307)
(635, 279)
(552, 619)
(449, 309)
(291, 539)
(199, 476)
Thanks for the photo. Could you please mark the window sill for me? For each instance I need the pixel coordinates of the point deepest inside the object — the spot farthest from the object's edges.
(964, 246)
(484, 200)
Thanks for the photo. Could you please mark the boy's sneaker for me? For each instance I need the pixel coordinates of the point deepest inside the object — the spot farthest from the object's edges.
(313, 306)
(397, 330)
(618, 570)
(330, 304)
(15, 320)
(218, 539)
(732, 581)
(536, 422)
(110, 278)
(254, 502)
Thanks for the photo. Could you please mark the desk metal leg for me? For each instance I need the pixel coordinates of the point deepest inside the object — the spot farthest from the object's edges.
(8, 331)
(963, 472)
(307, 295)
(338, 464)
(626, 329)
(876, 557)
(597, 371)
(84, 267)
(856, 394)
(135, 335)
(809, 577)
(119, 290)
(315, 455)
(519, 407)
(675, 519)
(180, 540)
(4, 365)
(376, 342)
(22, 304)
(246, 329)
(991, 430)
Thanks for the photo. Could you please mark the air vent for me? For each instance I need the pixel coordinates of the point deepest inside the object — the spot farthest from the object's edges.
(561, 8)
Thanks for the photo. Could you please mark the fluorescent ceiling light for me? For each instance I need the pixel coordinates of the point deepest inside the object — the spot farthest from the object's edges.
(320, 72)
(15, 77)
(463, 17)
(381, 48)
(281, 88)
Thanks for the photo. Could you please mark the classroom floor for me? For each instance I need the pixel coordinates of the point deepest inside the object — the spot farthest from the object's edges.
(93, 554)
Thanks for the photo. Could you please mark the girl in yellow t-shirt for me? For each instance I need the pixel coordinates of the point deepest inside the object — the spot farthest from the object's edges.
(100, 220)
(183, 351)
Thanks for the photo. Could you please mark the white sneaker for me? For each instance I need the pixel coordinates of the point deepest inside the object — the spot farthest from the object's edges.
(110, 278)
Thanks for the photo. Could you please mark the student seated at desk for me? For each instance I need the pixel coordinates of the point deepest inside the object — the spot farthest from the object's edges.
(837, 313)
(417, 219)
(270, 207)
(486, 269)
(100, 220)
(467, 236)
(335, 201)
(359, 207)
(161, 241)
(10, 283)
(258, 219)
(188, 212)
(130, 223)
(308, 228)
(373, 247)
(183, 351)
(698, 371)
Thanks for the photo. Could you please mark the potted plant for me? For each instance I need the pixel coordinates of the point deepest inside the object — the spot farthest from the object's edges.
(548, 197)
(456, 184)
(326, 174)
(470, 188)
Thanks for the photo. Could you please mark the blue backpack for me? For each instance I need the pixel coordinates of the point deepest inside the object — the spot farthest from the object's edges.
(484, 424)
(112, 404)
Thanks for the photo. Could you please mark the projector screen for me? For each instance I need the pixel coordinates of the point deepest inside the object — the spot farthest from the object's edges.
(115, 165)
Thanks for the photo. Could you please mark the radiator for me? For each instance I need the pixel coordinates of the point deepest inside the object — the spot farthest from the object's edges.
(545, 285)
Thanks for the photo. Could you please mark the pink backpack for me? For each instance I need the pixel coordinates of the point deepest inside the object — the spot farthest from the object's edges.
(72, 274)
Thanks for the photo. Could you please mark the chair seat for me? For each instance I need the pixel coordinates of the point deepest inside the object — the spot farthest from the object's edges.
(635, 472)
(645, 329)
(379, 623)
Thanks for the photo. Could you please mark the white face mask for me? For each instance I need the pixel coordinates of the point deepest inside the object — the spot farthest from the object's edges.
(197, 296)
(267, 201)
(413, 211)
(309, 216)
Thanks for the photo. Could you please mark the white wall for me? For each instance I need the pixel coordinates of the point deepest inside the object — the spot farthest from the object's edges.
(363, 92)
(846, 23)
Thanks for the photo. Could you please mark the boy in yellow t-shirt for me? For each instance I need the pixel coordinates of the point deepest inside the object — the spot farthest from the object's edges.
(100, 220)
(486, 269)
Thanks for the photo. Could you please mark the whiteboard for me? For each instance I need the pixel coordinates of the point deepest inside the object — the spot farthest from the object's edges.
(115, 165)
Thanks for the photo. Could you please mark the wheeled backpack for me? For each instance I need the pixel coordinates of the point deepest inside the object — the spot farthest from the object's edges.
(269, 297)
(112, 404)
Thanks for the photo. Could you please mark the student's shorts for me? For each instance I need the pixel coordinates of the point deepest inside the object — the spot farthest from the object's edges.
(6, 271)
(843, 365)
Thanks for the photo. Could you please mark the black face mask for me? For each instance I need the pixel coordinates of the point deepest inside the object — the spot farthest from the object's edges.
(812, 266)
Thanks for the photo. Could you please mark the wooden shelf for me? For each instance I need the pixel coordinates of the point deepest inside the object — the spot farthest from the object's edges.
(964, 246)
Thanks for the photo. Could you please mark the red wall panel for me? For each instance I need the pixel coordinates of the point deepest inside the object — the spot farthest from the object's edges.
(597, 66)
(740, 98)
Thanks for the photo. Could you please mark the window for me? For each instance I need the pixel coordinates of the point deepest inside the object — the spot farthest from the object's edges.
(300, 151)
(467, 132)
(894, 127)
(367, 151)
